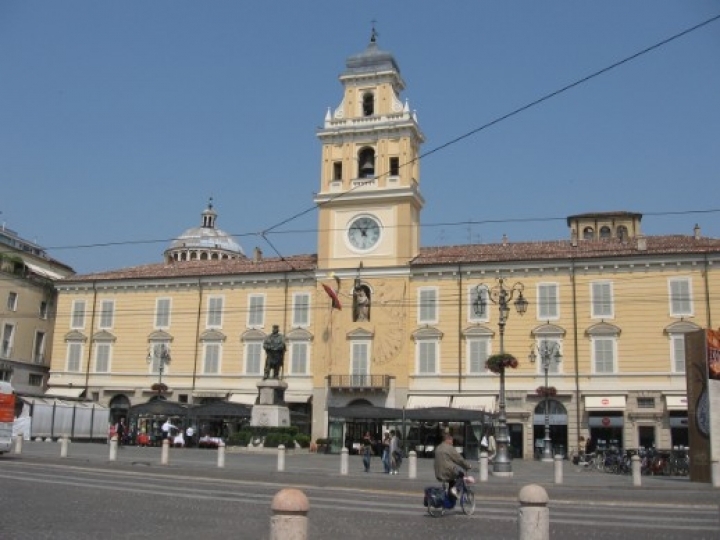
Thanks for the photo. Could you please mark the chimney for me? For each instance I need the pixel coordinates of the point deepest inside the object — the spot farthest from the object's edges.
(574, 238)
(505, 240)
(257, 255)
(696, 230)
(641, 243)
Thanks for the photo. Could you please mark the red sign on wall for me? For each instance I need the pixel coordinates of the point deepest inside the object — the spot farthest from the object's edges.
(7, 407)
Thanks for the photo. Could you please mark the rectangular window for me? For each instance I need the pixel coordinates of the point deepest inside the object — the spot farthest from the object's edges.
(547, 298)
(478, 299)
(43, 313)
(8, 336)
(212, 359)
(337, 170)
(646, 403)
(78, 314)
(253, 358)
(678, 353)
(360, 366)
(12, 301)
(301, 309)
(299, 360)
(427, 357)
(427, 306)
(549, 347)
(39, 348)
(477, 351)
(162, 313)
(5, 375)
(394, 166)
(102, 357)
(680, 297)
(602, 300)
(74, 356)
(215, 308)
(604, 355)
(160, 356)
(107, 314)
(35, 379)
(256, 310)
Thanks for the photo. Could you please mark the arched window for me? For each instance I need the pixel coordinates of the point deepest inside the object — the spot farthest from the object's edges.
(366, 163)
(605, 232)
(588, 233)
(368, 104)
(622, 232)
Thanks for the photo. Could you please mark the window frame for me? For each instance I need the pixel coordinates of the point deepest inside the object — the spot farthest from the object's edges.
(77, 314)
(672, 298)
(472, 295)
(298, 308)
(594, 301)
(6, 345)
(215, 306)
(12, 301)
(106, 317)
(246, 357)
(420, 344)
(469, 360)
(555, 368)
(39, 343)
(106, 348)
(252, 311)
(594, 341)
(674, 360)
(295, 347)
(541, 304)
(434, 305)
(360, 367)
(160, 315)
(212, 345)
(78, 346)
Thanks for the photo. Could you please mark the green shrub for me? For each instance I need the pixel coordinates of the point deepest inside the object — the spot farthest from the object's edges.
(241, 438)
(303, 440)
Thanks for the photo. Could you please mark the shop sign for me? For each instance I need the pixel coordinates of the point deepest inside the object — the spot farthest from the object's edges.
(555, 419)
(605, 421)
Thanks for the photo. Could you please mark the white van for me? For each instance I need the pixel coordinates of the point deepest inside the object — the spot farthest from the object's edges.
(7, 415)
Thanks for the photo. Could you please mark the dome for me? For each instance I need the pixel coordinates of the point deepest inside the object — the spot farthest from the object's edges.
(206, 242)
(371, 60)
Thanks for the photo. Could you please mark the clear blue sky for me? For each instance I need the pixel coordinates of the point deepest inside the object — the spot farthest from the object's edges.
(119, 119)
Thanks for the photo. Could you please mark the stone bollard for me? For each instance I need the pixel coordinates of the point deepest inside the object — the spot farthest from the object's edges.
(636, 472)
(344, 462)
(64, 446)
(221, 455)
(281, 458)
(558, 469)
(533, 513)
(483, 466)
(18, 443)
(113, 448)
(412, 465)
(715, 473)
(289, 515)
(165, 453)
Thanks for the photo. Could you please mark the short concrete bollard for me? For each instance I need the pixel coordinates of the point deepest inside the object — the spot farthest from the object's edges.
(533, 513)
(165, 452)
(715, 473)
(344, 462)
(412, 465)
(289, 515)
(281, 458)
(64, 446)
(18, 443)
(113, 448)
(558, 469)
(636, 472)
(221, 455)
(483, 466)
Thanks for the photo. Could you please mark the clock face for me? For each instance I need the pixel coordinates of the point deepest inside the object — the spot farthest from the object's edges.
(364, 233)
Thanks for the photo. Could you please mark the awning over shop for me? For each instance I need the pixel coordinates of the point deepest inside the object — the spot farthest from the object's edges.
(447, 414)
(65, 392)
(297, 397)
(159, 407)
(419, 402)
(676, 403)
(475, 403)
(221, 409)
(245, 399)
(605, 403)
(365, 412)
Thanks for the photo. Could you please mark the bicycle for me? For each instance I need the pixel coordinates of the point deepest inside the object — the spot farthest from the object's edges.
(438, 499)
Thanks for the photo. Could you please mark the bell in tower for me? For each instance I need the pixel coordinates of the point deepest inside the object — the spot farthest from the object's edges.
(366, 160)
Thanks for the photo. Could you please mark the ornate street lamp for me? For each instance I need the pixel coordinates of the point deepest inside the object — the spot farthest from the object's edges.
(502, 297)
(549, 352)
(160, 353)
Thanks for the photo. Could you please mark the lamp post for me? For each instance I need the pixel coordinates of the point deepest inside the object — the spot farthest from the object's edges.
(159, 352)
(549, 352)
(501, 296)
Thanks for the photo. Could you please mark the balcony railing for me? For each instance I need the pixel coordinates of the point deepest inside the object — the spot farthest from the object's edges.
(360, 383)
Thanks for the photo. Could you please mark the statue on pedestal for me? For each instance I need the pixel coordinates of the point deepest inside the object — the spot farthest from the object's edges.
(274, 346)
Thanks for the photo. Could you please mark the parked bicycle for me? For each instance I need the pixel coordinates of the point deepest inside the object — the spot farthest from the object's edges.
(438, 499)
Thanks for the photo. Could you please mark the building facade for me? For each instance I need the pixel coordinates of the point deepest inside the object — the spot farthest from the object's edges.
(27, 312)
(374, 318)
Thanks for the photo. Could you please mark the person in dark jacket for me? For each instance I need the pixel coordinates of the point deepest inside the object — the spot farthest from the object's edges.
(448, 462)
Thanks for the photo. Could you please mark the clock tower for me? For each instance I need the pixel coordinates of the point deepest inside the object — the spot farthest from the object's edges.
(369, 200)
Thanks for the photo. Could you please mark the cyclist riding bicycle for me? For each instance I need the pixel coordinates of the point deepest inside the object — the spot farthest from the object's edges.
(449, 464)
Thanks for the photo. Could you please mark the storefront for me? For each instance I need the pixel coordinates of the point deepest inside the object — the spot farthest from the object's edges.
(606, 420)
(677, 420)
(558, 420)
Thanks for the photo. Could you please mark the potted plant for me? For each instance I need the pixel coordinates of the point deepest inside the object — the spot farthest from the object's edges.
(160, 388)
(546, 391)
(499, 362)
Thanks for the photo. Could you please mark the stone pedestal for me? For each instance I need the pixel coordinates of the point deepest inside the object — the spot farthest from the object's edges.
(271, 410)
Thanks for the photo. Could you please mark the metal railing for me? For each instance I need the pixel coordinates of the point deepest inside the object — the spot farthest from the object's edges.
(359, 382)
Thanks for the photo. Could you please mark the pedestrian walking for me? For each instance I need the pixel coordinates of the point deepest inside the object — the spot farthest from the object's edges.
(367, 450)
(395, 454)
(386, 452)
